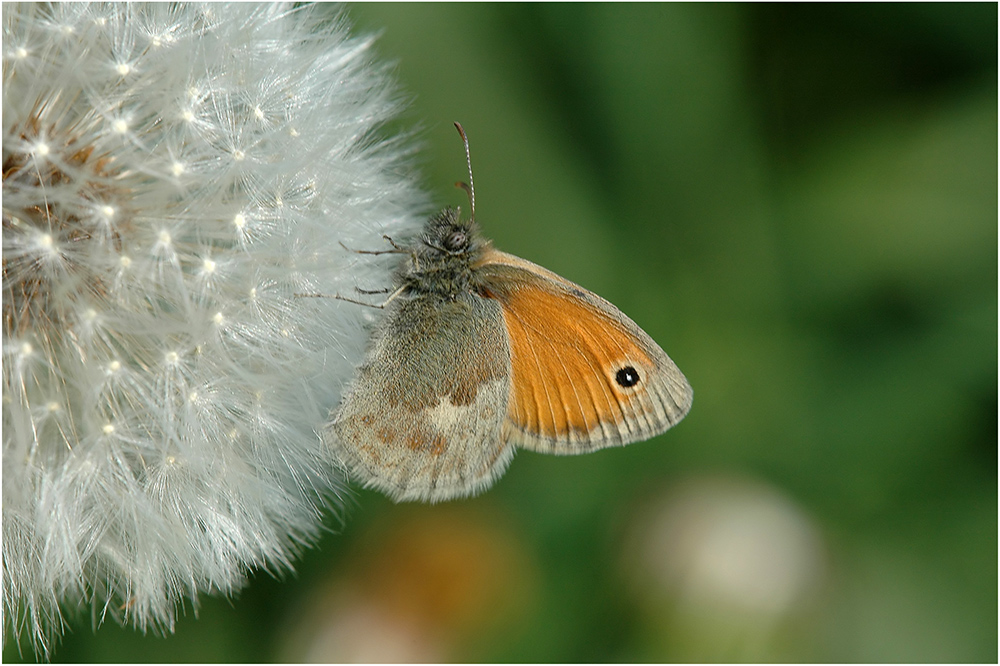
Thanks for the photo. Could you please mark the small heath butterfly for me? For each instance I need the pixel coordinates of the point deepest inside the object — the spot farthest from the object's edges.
(481, 352)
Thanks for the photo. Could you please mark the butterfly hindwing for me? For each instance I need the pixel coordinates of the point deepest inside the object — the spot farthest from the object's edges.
(423, 418)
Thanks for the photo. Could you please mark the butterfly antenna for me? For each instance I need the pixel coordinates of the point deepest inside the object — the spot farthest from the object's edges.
(470, 189)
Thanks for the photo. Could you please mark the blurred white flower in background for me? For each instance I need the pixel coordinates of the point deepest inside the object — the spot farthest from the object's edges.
(726, 567)
(172, 175)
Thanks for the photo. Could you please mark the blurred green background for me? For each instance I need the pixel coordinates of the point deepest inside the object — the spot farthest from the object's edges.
(800, 204)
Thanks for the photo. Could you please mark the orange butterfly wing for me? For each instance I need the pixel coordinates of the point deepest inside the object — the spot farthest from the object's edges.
(584, 376)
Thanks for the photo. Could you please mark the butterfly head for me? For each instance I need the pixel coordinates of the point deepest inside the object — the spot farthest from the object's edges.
(445, 256)
(447, 234)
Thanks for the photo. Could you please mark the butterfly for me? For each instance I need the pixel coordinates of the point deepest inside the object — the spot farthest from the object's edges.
(481, 352)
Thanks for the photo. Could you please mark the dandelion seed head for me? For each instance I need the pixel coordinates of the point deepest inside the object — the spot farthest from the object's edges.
(106, 314)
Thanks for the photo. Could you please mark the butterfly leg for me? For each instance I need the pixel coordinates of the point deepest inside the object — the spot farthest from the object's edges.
(380, 306)
(395, 249)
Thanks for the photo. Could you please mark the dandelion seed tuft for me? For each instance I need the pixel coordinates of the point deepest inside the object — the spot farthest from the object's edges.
(132, 407)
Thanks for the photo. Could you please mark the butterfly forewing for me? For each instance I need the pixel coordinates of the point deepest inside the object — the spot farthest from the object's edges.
(584, 376)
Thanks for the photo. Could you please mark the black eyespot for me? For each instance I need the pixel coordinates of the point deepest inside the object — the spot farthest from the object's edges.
(627, 377)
